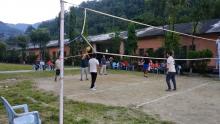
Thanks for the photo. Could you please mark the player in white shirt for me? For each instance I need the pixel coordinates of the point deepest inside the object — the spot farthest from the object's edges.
(93, 68)
(57, 67)
(171, 71)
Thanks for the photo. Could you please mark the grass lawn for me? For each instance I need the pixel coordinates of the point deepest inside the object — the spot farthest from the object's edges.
(13, 67)
(37, 74)
(25, 91)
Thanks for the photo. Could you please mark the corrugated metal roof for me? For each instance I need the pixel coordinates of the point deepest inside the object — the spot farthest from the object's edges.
(52, 43)
(204, 27)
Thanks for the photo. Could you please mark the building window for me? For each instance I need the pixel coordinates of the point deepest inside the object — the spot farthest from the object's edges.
(192, 47)
(54, 54)
(141, 52)
(64, 53)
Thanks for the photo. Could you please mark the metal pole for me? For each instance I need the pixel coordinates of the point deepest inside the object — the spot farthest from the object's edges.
(218, 52)
(61, 60)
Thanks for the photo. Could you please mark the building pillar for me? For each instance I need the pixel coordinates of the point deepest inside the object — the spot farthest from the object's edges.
(94, 46)
(122, 48)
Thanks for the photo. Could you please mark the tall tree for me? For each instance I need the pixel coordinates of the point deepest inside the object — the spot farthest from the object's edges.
(2, 51)
(115, 46)
(29, 29)
(40, 37)
(199, 10)
(153, 12)
(216, 9)
(22, 42)
(173, 8)
(131, 43)
(72, 23)
(74, 45)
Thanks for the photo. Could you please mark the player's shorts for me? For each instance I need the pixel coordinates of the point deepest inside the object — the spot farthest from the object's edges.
(57, 72)
(145, 67)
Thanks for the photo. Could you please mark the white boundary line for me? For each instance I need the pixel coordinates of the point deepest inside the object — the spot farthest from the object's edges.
(170, 95)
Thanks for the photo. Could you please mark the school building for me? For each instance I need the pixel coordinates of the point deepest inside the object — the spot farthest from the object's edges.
(150, 38)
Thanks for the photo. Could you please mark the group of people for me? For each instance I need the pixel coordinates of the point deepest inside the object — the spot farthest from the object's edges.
(86, 63)
(147, 63)
(93, 65)
(123, 65)
(40, 65)
(149, 66)
(170, 69)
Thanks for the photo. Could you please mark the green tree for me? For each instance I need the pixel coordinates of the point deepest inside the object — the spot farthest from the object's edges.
(160, 52)
(29, 30)
(12, 56)
(22, 42)
(72, 23)
(216, 13)
(2, 51)
(131, 43)
(40, 37)
(116, 43)
(151, 52)
(154, 12)
(199, 10)
(171, 39)
(173, 9)
(172, 42)
(158, 10)
(200, 65)
(75, 46)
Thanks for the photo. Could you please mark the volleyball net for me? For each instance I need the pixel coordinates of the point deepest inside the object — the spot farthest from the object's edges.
(154, 55)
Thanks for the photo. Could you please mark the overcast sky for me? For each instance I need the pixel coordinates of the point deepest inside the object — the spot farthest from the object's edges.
(30, 11)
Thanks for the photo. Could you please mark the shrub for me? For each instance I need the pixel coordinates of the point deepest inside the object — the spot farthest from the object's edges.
(31, 59)
(200, 65)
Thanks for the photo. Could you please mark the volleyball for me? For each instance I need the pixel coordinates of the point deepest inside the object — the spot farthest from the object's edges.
(88, 49)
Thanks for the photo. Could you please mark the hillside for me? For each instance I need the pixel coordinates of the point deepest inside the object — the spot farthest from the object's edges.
(153, 12)
(7, 31)
(22, 26)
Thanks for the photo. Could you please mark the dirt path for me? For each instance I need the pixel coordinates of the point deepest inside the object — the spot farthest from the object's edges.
(196, 101)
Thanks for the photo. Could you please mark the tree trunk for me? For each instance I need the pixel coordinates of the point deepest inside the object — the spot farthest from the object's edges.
(193, 48)
(194, 32)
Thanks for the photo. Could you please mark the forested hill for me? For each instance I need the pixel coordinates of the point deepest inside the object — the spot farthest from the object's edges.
(153, 12)
(7, 31)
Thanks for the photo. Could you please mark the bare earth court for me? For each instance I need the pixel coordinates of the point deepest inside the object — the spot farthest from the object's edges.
(196, 100)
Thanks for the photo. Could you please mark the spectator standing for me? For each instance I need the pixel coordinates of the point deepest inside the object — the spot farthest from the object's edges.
(103, 66)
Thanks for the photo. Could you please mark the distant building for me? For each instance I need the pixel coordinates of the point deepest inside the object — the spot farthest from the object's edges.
(150, 38)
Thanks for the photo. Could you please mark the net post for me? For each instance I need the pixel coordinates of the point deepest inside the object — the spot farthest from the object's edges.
(218, 52)
(84, 22)
(61, 60)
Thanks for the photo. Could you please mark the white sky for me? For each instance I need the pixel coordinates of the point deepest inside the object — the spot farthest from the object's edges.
(30, 11)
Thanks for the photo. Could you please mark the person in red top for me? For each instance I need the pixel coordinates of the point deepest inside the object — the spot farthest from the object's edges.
(50, 64)
(126, 65)
(156, 65)
(151, 65)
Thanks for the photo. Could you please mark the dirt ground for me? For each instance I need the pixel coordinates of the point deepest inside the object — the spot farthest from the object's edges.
(196, 100)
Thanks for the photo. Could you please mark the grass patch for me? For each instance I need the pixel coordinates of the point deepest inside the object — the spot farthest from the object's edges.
(75, 112)
(14, 67)
(37, 74)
